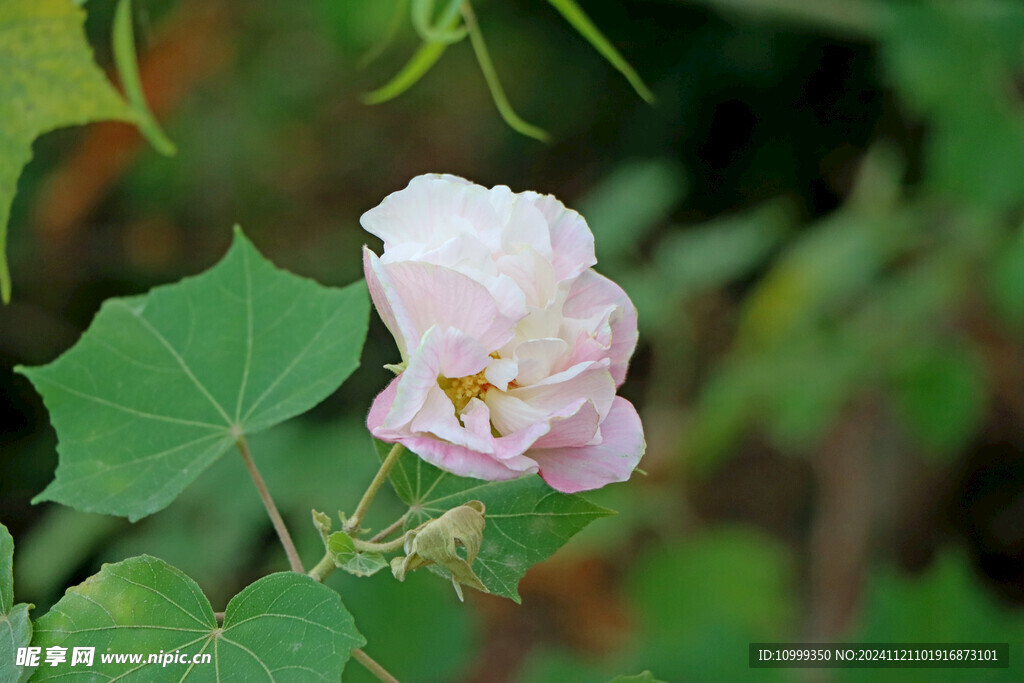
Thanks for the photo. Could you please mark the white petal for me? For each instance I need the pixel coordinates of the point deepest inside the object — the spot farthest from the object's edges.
(527, 226)
(510, 414)
(431, 210)
(590, 381)
(500, 372)
(537, 357)
(572, 242)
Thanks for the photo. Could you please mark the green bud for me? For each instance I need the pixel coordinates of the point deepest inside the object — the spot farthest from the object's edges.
(322, 523)
(437, 541)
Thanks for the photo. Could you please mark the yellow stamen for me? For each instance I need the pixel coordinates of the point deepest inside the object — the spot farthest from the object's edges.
(462, 389)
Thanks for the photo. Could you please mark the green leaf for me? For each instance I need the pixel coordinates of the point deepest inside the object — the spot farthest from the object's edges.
(47, 80)
(161, 385)
(586, 28)
(527, 521)
(345, 556)
(128, 70)
(15, 626)
(286, 626)
(424, 58)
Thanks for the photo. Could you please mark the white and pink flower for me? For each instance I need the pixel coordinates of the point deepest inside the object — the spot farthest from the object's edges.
(512, 346)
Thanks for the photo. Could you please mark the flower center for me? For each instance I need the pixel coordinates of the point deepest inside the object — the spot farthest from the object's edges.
(461, 389)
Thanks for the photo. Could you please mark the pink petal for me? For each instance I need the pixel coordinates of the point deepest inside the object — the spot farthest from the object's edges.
(508, 448)
(591, 381)
(590, 295)
(437, 417)
(429, 295)
(379, 410)
(379, 292)
(570, 470)
(465, 462)
(576, 430)
(449, 353)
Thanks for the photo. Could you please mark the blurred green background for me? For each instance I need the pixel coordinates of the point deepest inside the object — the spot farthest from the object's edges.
(821, 222)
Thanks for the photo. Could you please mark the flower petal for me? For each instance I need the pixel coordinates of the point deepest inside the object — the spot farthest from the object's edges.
(500, 372)
(585, 380)
(432, 209)
(572, 242)
(537, 357)
(379, 410)
(570, 470)
(381, 293)
(437, 417)
(465, 462)
(591, 293)
(427, 295)
(575, 430)
(449, 353)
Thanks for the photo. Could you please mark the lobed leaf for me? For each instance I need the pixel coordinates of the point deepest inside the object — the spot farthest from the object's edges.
(48, 79)
(527, 520)
(346, 557)
(161, 385)
(15, 626)
(283, 627)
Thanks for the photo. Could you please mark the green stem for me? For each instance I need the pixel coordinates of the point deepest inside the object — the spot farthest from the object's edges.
(483, 57)
(352, 525)
(268, 503)
(373, 667)
(323, 568)
(392, 528)
(371, 547)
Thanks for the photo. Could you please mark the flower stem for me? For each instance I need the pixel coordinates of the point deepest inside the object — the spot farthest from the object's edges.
(323, 568)
(392, 528)
(268, 503)
(352, 525)
(371, 547)
(373, 667)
